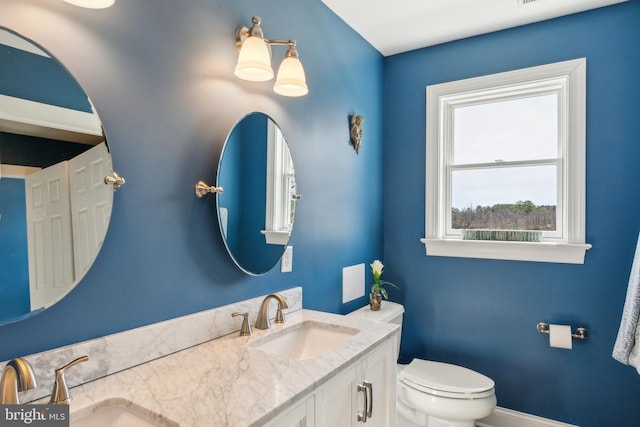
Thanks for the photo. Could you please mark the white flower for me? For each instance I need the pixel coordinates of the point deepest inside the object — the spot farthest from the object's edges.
(376, 267)
(378, 285)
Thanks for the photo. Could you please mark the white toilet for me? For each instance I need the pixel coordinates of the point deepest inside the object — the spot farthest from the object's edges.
(434, 394)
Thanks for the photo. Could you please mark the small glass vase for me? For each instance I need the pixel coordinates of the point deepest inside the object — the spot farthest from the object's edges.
(375, 301)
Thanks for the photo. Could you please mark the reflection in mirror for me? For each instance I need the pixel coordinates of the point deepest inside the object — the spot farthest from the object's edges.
(256, 211)
(54, 203)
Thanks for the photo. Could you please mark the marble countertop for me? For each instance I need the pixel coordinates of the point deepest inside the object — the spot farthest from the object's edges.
(226, 382)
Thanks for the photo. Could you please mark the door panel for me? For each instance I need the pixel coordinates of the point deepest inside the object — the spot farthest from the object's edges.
(91, 201)
(48, 234)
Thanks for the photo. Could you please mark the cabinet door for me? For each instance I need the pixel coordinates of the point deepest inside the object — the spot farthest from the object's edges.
(302, 414)
(338, 399)
(379, 369)
(341, 404)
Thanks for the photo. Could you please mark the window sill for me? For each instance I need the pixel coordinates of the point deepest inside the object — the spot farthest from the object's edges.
(568, 253)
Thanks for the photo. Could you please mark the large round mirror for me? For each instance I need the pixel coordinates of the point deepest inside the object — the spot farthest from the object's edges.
(256, 211)
(54, 203)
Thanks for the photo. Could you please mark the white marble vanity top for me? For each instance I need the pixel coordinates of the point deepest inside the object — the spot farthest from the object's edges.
(225, 382)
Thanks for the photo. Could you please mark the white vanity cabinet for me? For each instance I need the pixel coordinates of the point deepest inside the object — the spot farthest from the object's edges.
(363, 393)
(260, 388)
(301, 414)
(341, 400)
(338, 399)
(379, 369)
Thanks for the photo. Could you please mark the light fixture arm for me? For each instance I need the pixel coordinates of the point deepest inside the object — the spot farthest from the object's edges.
(281, 42)
(242, 33)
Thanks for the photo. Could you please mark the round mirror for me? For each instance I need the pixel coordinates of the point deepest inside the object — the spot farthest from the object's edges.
(256, 211)
(54, 203)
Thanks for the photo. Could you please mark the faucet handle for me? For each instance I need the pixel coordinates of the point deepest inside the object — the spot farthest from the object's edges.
(245, 329)
(282, 303)
(60, 393)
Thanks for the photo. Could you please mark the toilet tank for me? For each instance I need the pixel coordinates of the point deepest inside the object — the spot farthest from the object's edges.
(390, 312)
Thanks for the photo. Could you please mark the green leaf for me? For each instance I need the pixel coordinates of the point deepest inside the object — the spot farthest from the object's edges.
(389, 283)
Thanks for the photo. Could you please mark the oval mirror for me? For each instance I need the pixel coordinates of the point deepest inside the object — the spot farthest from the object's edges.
(54, 203)
(256, 211)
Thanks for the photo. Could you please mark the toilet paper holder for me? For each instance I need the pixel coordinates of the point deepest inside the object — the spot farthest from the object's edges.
(580, 333)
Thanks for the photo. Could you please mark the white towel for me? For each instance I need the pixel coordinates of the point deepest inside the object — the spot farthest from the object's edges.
(627, 347)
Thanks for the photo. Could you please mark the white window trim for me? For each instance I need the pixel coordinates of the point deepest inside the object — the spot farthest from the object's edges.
(572, 248)
(277, 211)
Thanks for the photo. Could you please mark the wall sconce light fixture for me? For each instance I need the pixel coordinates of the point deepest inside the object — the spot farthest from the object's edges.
(92, 4)
(254, 61)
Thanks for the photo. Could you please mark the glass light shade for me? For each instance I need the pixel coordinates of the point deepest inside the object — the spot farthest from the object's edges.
(291, 80)
(92, 4)
(254, 61)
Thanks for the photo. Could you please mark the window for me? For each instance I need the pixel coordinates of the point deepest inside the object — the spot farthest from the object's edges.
(281, 194)
(506, 165)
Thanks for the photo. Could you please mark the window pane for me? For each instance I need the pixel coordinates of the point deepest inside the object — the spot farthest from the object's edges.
(511, 130)
(512, 198)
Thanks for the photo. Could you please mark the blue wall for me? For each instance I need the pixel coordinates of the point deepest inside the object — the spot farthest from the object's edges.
(14, 274)
(38, 78)
(251, 241)
(161, 78)
(483, 313)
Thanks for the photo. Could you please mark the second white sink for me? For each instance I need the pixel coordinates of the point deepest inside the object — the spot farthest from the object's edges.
(305, 340)
(119, 413)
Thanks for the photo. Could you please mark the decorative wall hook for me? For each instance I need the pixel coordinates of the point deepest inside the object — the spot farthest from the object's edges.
(355, 131)
(114, 179)
(202, 189)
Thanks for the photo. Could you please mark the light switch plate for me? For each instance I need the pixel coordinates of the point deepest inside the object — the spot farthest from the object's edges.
(286, 262)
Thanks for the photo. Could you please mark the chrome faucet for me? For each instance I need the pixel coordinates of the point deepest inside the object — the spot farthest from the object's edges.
(262, 322)
(17, 376)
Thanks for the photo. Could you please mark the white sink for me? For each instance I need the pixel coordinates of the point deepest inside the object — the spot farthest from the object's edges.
(118, 413)
(305, 340)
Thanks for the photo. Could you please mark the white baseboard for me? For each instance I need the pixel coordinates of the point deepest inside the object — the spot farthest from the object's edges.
(502, 417)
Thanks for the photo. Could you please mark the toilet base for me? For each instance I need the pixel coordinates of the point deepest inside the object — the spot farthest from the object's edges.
(416, 409)
(436, 422)
(402, 421)
(409, 417)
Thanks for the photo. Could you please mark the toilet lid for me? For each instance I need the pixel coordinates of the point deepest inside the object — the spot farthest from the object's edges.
(446, 379)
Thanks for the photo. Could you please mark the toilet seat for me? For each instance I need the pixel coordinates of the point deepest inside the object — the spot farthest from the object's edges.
(446, 380)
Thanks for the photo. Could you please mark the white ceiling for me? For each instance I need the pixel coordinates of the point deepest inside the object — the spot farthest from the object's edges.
(394, 26)
(10, 39)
